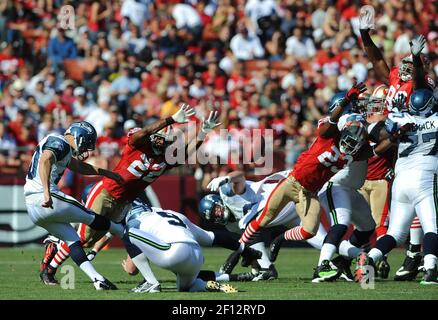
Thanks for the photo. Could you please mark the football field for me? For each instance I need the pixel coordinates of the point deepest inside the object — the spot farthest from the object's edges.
(19, 279)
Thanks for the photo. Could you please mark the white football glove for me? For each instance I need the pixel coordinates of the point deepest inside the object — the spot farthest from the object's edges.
(417, 45)
(211, 123)
(217, 182)
(183, 114)
(366, 18)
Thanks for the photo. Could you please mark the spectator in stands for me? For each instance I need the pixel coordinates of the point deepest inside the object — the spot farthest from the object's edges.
(299, 46)
(186, 17)
(123, 87)
(98, 117)
(264, 17)
(61, 47)
(245, 44)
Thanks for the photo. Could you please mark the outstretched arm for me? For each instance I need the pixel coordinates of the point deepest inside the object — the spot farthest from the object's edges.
(90, 170)
(419, 74)
(181, 116)
(375, 56)
(330, 127)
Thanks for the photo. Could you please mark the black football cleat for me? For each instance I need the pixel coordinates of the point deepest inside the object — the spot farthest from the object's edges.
(344, 265)
(266, 274)
(430, 277)
(326, 272)
(47, 276)
(410, 267)
(104, 285)
(383, 268)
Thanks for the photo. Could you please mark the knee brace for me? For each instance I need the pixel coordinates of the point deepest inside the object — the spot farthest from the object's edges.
(100, 223)
(359, 238)
(334, 236)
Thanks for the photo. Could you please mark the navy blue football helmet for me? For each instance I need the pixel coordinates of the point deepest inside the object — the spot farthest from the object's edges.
(138, 208)
(208, 210)
(422, 103)
(85, 138)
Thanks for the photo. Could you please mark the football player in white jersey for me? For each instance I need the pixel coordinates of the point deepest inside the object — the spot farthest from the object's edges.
(169, 240)
(415, 187)
(53, 210)
(238, 203)
(344, 205)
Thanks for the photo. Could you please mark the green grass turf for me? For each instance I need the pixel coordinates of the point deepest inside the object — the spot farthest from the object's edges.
(19, 280)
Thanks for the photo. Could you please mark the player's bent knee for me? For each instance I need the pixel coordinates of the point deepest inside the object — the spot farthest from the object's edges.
(334, 236)
(100, 223)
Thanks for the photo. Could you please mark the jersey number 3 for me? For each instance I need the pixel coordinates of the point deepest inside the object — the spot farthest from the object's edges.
(172, 219)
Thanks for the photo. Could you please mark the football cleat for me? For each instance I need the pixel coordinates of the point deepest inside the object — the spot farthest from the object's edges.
(243, 276)
(344, 265)
(48, 277)
(430, 277)
(230, 263)
(325, 272)
(410, 267)
(49, 253)
(274, 247)
(266, 274)
(104, 285)
(147, 287)
(383, 268)
(363, 263)
(214, 286)
(250, 255)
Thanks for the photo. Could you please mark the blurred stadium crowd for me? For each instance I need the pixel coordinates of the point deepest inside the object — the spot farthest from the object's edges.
(264, 64)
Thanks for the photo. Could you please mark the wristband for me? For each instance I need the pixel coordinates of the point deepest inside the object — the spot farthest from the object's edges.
(169, 121)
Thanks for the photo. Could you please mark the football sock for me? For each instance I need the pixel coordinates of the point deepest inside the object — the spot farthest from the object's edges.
(222, 277)
(375, 254)
(60, 256)
(416, 233)
(88, 268)
(297, 233)
(386, 243)
(264, 261)
(327, 252)
(78, 256)
(429, 261)
(142, 263)
(250, 232)
(346, 249)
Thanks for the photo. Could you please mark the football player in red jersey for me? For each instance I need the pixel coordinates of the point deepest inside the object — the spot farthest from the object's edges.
(402, 79)
(143, 161)
(330, 152)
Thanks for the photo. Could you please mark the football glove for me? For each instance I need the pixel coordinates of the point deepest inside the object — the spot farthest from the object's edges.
(355, 91)
(183, 114)
(211, 123)
(366, 18)
(217, 182)
(417, 45)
